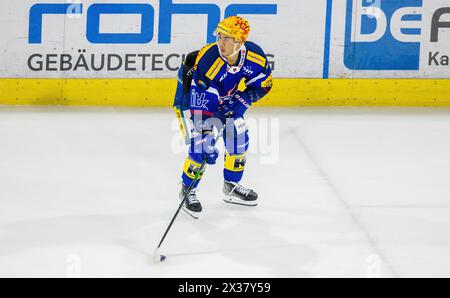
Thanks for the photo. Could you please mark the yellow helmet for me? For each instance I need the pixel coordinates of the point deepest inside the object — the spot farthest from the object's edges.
(236, 27)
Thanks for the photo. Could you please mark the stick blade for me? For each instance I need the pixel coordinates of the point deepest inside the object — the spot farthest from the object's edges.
(157, 258)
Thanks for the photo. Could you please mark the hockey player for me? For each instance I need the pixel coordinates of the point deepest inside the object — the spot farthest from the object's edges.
(207, 96)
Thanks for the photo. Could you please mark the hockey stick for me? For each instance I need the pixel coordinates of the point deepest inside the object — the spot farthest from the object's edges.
(157, 258)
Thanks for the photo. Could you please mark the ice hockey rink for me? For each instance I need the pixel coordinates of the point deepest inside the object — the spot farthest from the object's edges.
(344, 192)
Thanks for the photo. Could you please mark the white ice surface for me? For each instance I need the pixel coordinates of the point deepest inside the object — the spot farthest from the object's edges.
(355, 192)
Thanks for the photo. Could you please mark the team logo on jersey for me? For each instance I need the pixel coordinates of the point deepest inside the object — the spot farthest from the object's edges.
(199, 100)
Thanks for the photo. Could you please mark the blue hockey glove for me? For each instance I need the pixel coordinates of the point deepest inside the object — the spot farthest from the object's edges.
(203, 147)
(236, 106)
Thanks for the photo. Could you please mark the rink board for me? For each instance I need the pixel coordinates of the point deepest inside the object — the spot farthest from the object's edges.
(332, 53)
(286, 92)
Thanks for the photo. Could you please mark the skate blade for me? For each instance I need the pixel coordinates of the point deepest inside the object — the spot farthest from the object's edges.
(195, 215)
(236, 201)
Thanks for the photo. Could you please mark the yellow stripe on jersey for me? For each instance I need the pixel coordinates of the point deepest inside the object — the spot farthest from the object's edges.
(286, 92)
(215, 68)
(255, 58)
(202, 53)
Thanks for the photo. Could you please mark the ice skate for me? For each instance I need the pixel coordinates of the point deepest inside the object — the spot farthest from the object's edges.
(191, 205)
(238, 194)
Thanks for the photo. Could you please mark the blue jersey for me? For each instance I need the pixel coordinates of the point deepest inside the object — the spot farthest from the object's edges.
(215, 81)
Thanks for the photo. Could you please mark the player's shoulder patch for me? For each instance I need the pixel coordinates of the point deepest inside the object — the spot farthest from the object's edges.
(255, 54)
(215, 69)
(255, 58)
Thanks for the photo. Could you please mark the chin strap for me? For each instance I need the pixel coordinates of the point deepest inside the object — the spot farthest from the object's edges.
(236, 51)
(235, 69)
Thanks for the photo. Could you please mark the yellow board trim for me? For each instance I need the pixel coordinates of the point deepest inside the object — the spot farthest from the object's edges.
(285, 92)
(255, 58)
(215, 68)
